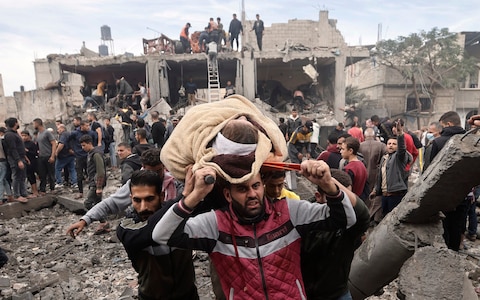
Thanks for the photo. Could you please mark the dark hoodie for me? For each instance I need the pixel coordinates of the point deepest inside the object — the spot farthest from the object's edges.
(129, 165)
(440, 141)
(163, 272)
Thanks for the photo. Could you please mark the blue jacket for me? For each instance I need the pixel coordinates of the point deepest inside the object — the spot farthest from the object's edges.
(74, 140)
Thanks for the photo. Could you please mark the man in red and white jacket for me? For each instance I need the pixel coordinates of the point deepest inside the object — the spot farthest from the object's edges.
(254, 244)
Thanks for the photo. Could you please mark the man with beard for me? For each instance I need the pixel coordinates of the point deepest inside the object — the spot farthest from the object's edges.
(163, 272)
(120, 200)
(392, 179)
(254, 243)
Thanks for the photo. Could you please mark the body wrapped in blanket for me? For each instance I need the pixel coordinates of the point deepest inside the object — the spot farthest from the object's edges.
(191, 143)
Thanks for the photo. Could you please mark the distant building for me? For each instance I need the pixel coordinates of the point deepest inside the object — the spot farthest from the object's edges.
(389, 95)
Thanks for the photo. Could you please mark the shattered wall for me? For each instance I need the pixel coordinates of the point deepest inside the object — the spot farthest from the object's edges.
(45, 104)
(46, 72)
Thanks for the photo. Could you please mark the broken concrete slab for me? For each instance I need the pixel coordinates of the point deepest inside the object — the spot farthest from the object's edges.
(16, 210)
(433, 273)
(416, 221)
(24, 296)
(387, 249)
(75, 206)
(445, 183)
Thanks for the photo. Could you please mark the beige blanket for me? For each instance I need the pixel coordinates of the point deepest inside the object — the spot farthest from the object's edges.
(188, 143)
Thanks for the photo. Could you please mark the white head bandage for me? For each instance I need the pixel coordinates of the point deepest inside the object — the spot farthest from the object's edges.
(222, 145)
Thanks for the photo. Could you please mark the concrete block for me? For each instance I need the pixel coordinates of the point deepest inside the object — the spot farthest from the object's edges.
(446, 182)
(73, 205)
(16, 209)
(433, 273)
(4, 283)
(415, 222)
(24, 296)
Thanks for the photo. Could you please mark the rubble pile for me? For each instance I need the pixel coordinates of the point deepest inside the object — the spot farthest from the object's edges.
(44, 263)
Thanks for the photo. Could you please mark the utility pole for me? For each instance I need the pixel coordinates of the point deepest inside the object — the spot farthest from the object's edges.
(244, 35)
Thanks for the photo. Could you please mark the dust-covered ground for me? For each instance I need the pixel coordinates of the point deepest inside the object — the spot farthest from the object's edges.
(45, 262)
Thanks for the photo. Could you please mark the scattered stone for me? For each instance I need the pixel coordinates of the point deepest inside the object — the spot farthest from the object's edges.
(433, 273)
(24, 296)
(4, 283)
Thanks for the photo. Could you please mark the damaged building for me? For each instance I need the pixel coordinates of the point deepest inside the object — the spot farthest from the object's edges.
(387, 93)
(305, 54)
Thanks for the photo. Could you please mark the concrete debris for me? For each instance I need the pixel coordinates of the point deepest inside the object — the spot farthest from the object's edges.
(415, 223)
(433, 273)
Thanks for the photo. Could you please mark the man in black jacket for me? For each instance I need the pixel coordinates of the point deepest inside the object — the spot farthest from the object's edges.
(453, 222)
(163, 272)
(16, 157)
(327, 255)
(130, 161)
(158, 130)
(235, 29)
(259, 28)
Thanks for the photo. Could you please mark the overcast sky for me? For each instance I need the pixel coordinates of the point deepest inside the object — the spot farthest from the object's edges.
(31, 29)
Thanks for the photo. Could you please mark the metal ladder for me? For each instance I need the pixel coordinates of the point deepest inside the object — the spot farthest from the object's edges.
(213, 80)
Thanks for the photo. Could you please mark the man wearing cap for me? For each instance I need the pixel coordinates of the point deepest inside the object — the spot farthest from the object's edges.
(300, 140)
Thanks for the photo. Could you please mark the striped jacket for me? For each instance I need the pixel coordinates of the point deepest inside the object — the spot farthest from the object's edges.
(259, 260)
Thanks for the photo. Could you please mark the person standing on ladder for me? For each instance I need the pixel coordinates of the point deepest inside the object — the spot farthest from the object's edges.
(212, 52)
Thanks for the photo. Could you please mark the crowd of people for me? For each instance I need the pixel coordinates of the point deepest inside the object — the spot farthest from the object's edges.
(203, 182)
(379, 157)
(120, 95)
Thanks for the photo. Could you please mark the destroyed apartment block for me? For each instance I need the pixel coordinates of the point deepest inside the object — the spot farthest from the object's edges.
(308, 54)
